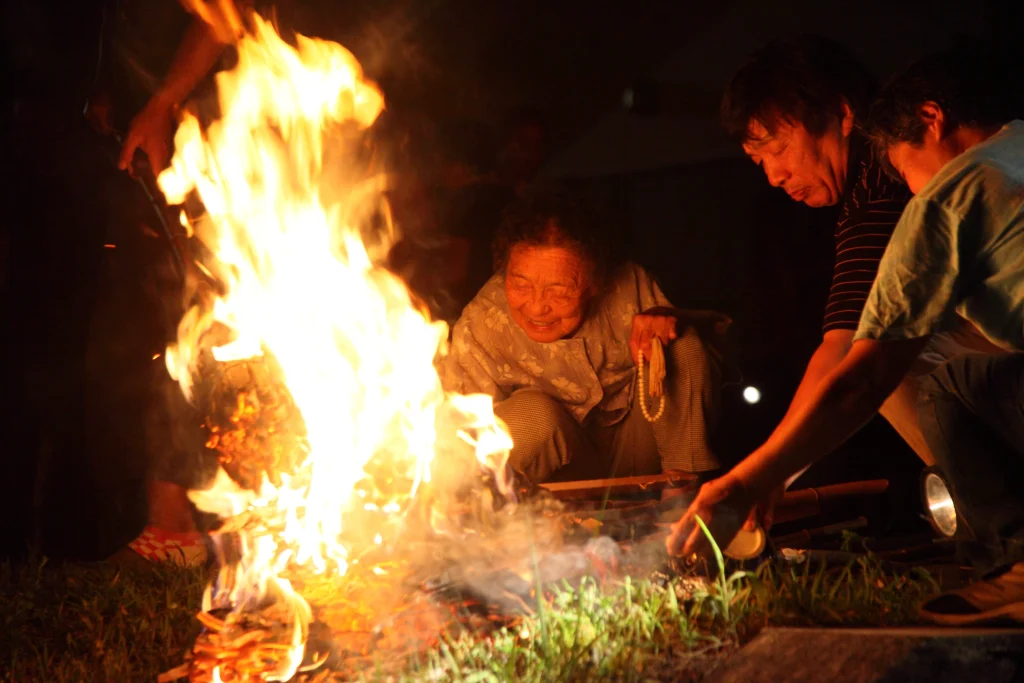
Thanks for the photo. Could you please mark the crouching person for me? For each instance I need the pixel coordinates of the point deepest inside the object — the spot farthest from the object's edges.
(555, 336)
(947, 127)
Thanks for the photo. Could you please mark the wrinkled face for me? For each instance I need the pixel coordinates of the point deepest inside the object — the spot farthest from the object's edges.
(810, 169)
(547, 290)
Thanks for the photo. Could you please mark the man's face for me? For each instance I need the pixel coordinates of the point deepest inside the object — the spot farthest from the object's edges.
(810, 169)
(547, 290)
(918, 163)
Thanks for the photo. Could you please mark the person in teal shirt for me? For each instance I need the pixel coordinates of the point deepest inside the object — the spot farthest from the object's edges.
(947, 127)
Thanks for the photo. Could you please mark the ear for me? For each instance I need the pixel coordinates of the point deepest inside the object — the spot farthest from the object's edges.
(845, 118)
(934, 120)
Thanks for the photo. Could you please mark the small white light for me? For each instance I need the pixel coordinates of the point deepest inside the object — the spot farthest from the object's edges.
(752, 395)
(378, 539)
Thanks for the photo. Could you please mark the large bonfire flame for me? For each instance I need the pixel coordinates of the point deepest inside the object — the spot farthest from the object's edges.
(294, 288)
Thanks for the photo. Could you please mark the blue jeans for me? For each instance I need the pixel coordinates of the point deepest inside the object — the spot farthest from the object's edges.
(971, 410)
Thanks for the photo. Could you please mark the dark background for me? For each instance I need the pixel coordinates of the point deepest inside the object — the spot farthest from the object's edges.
(694, 211)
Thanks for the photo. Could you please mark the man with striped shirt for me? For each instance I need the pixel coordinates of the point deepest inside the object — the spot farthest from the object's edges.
(796, 107)
(949, 126)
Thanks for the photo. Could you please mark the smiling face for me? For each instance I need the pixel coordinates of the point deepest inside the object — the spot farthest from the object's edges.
(811, 169)
(547, 288)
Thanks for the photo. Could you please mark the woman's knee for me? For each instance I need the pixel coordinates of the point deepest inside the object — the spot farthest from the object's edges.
(533, 417)
(692, 365)
(541, 430)
(688, 349)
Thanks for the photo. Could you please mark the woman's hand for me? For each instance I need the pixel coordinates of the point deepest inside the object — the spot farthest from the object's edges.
(150, 131)
(724, 505)
(655, 322)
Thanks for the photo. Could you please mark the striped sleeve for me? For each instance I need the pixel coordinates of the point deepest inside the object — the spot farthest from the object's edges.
(870, 211)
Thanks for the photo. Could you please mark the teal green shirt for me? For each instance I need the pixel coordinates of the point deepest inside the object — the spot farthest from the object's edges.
(958, 248)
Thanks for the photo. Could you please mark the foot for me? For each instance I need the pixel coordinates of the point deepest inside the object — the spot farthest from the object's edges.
(154, 544)
(996, 600)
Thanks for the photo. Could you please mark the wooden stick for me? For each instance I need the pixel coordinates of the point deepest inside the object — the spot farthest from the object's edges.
(801, 539)
(598, 487)
(807, 502)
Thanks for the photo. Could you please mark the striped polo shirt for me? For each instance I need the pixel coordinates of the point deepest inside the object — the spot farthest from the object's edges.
(871, 206)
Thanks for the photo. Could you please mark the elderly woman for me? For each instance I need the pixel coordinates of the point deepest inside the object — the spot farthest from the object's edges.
(553, 337)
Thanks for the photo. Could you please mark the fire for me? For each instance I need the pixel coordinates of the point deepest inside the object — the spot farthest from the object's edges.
(296, 285)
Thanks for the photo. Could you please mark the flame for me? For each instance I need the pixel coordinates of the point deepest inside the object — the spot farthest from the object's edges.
(282, 238)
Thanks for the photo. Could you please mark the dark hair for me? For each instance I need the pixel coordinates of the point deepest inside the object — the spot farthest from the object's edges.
(553, 219)
(802, 80)
(973, 84)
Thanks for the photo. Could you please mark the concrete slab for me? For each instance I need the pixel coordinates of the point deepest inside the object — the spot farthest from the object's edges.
(936, 655)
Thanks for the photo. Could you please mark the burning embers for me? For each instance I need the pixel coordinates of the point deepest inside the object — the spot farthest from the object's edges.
(336, 441)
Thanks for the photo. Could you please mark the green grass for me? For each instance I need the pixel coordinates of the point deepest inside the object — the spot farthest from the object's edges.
(97, 623)
(679, 629)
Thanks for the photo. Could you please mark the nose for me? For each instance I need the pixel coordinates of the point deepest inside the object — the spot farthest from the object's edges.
(777, 175)
(537, 308)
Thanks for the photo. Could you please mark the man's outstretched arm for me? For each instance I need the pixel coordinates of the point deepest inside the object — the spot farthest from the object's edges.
(846, 399)
(150, 130)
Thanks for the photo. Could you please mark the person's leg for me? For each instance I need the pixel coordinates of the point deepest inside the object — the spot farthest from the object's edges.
(177, 458)
(692, 400)
(627, 448)
(972, 415)
(545, 437)
(176, 462)
(901, 410)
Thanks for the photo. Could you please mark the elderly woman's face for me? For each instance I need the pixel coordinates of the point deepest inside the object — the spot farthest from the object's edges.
(547, 290)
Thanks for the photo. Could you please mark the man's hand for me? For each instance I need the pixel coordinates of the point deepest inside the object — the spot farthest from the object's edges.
(656, 322)
(763, 512)
(724, 504)
(150, 131)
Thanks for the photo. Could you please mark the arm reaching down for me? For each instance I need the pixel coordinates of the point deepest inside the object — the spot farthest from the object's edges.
(151, 128)
(846, 399)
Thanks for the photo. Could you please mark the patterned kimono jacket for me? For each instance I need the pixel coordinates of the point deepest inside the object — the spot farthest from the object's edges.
(592, 368)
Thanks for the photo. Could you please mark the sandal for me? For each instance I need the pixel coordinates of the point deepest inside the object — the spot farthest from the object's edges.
(187, 549)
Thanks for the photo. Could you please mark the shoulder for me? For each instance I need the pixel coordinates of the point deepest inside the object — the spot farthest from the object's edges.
(490, 295)
(927, 226)
(878, 186)
(977, 179)
(487, 306)
(871, 195)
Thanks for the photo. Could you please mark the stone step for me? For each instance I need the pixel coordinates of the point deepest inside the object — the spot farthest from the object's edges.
(936, 655)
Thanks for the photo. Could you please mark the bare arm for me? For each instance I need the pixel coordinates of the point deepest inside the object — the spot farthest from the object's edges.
(843, 401)
(835, 344)
(151, 129)
(195, 56)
